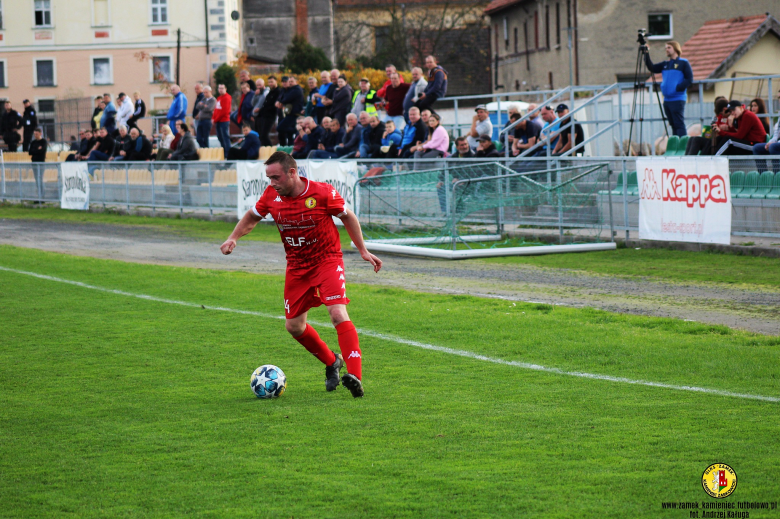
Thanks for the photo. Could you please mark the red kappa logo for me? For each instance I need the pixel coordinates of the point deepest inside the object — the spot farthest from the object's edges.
(650, 187)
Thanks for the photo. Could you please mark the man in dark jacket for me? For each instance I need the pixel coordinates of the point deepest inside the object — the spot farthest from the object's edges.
(187, 148)
(314, 136)
(139, 148)
(103, 149)
(414, 132)
(291, 104)
(250, 149)
(437, 85)
(37, 150)
(30, 123)
(85, 146)
(120, 142)
(243, 113)
(11, 123)
(375, 136)
(267, 112)
(332, 138)
(486, 148)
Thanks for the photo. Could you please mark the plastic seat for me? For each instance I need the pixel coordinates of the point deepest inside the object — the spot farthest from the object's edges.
(737, 182)
(671, 146)
(751, 184)
(633, 186)
(682, 145)
(774, 194)
(618, 185)
(764, 185)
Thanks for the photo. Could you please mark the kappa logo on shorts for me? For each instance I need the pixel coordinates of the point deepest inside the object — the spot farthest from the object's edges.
(339, 269)
(344, 285)
(341, 277)
(278, 198)
(354, 355)
(334, 192)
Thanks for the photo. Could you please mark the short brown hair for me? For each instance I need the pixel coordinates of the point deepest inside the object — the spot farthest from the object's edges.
(285, 159)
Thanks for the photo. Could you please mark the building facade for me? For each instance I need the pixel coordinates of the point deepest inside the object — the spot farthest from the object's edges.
(530, 38)
(68, 49)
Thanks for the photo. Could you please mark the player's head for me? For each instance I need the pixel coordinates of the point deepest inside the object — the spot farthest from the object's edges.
(282, 172)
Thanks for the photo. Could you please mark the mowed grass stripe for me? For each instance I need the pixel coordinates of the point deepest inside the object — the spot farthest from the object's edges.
(416, 344)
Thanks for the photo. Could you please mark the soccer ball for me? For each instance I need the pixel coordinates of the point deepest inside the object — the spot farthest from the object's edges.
(268, 381)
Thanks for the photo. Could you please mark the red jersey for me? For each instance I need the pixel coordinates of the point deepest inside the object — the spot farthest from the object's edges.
(304, 222)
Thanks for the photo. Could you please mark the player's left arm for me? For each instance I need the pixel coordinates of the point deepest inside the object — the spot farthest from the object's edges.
(352, 225)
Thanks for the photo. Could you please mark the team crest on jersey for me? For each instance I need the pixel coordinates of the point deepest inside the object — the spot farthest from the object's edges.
(310, 203)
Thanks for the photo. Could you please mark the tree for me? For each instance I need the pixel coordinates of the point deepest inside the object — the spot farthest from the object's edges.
(302, 57)
(226, 75)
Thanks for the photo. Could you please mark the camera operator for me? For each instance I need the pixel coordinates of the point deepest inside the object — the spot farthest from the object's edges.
(677, 76)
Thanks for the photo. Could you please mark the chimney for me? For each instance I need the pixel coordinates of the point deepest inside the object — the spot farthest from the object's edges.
(302, 18)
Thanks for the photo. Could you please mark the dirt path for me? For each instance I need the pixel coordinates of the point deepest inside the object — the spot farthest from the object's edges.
(754, 310)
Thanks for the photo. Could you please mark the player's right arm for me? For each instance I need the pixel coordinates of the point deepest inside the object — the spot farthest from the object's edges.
(244, 227)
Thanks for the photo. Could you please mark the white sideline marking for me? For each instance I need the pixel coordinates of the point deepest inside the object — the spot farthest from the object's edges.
(416, 344)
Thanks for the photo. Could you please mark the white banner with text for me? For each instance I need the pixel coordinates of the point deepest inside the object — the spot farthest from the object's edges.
(75, 186)
(684, 199)
(252, 181)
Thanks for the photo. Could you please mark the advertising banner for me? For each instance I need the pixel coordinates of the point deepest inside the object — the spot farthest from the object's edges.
(75, 186)
(684, 199)
(252, 180)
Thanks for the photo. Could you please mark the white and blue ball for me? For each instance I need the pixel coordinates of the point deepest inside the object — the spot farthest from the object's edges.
(268, 381)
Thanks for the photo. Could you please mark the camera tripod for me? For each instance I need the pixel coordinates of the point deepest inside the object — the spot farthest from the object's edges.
(638, 103)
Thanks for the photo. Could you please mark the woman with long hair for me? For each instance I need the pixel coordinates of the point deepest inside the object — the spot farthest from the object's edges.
(757, 106)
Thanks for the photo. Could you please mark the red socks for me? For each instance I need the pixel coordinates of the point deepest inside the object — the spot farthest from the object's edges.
(310, 340)
(350, 348)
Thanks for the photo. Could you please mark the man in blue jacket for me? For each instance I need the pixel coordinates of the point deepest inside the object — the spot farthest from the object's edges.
(178, 109)
(677, 77)
(250, 149)
(437, 85)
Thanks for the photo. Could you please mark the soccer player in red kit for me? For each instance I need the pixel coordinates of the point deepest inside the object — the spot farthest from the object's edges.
(303, 212)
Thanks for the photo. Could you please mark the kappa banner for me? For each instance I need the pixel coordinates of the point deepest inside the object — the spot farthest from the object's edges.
(684, 199)
(252, 181)
(75, 186)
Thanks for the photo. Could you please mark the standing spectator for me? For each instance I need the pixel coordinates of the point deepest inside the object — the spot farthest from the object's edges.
(108, 119)
(178, 109)
(323, 97)
(749, 130)
(364, 99)
(124, 109)
(438, 141)
(37, 149)
(187, 148)
(97, 111)
(139, 110)
(12, 122)
(120, 142)
(772, 147)
(486, 148)
(677, 76)
(395, 94)
(244, 77)
(415, 91)
(139, 149)
(267, 114)
(480, 125)
(389, 70)
(205, 107)
(243, 113)
(250, 147)
(415, 133)
(291, 103)
(549, 133)
(437, 85)
(29, 122)
(310, 101)
(757, 106)
(564, 143)
(198, 88)
(257, 102)
(166, 139)
(342, 97)
(221, 118)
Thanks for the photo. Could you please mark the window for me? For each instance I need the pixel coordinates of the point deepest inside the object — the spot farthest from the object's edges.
(536, 29)
(46, 117)
(506, 34)
(659, 25)
(516, 42)
(558, 23)
(100, 13)
(547, 25)
(3, 84)
(42, 13)
(161, 69)
(101, 71)
(381, 38)
(44, 73)
(159, 11)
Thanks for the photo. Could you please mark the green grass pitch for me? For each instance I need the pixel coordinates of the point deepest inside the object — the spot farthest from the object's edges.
(114, 406)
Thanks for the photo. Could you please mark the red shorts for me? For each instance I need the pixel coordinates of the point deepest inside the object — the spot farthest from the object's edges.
(305, 288)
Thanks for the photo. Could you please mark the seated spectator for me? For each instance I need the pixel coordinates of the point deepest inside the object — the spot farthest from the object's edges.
(243, 114)
(103, 148)
(462, 149)
(757, 106)
(391, 141)
(138, 148)
(120, 141)
(773, 146)
(394, 96)
(704, 145)
(350, 143)
(313, 136)
(342, 99)
(564, 143)
(299, 144)
(205, 107)
(526, 136)
(325, 124)
(480, 125)
(365, 129)
(437, 85)
(166, 139)
(438, 141)
(424, 115)
(486, 148)
(74, 144)
(749, 132)
(188, 146)
(250, 148)
(415, 133)
(549, 134)
(375, 136)
(332, 138)
(85, 146)
(537, 118)
(139, 110)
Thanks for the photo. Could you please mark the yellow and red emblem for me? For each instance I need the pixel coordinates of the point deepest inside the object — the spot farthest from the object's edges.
(310, 202)
(719, 480)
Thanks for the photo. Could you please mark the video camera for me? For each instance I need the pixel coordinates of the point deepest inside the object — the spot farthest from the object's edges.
(641, 38)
